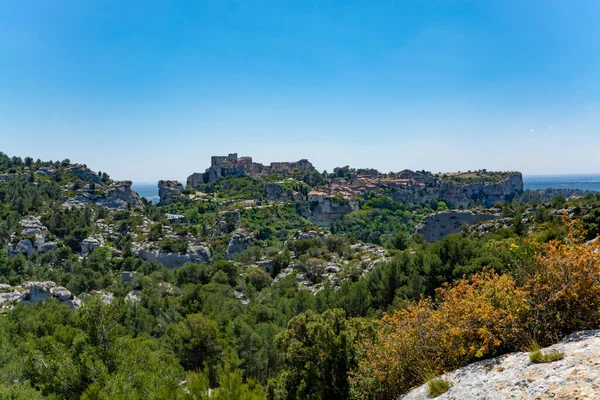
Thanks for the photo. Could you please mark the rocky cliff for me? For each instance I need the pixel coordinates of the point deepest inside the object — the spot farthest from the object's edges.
(439, 225)
(323, 210)
(168, 189)
(117, 195)
(459, 193)
(514, 376)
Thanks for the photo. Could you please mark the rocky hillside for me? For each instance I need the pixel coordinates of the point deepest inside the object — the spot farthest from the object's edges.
(514, 376)
(325, 197)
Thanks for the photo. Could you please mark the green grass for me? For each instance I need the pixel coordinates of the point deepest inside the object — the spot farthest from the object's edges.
(438, 386)
(537, 356)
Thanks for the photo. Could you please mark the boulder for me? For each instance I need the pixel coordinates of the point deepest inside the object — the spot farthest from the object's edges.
(61, 293)
(90, 243)
(24, 246)
(135, 296)
(240, 241)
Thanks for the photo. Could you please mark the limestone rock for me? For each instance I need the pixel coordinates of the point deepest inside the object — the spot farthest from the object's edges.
(25, 246)
(117, 196)
(135, 296)
(120, 196)
(197, 252)
(31, 225)
(169, 189)
(61, 293)
(240, 241)
(439, 225)
(513, 376)
(90, 243)
(84, 173)
(37, 291)
(322, 209)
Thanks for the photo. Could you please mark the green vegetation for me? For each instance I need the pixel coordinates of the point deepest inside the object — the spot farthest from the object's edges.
(537, 356)
(438, 386)
(301, 312)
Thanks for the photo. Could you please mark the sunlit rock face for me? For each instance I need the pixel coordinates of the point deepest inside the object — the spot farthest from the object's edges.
(514, 376)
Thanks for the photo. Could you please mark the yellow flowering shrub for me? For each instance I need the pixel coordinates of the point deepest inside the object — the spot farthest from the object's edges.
(564, 288)
(472, 319)
(554, 292)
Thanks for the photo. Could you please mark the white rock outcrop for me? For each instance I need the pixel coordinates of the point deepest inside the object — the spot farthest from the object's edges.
(514, 376)
(36, 291)
(195, 252)
(37, 238)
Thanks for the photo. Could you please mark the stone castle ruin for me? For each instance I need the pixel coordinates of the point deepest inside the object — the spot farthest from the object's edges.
(232, 165)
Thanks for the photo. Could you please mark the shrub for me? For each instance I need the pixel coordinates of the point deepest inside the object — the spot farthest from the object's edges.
(564, 287)
(471, 320)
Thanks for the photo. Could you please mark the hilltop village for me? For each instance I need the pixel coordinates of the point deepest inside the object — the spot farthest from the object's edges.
(324, 197)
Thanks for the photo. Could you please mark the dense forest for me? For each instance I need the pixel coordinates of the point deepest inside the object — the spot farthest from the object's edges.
(364, 309)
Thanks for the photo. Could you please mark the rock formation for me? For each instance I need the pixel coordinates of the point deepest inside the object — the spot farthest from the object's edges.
(84, 173)
(196, 252)
(322, 209)
(456, 193)
(36, 291)
(513, 376)
(439, 225)
(36, 238)
(91, 243)
(117, 196)
(240, 241)
(168, 189)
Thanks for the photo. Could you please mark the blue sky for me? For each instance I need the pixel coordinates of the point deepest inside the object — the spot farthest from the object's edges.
(149, 90)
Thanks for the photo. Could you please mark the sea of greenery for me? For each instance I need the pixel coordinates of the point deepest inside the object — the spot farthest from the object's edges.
(237, 328)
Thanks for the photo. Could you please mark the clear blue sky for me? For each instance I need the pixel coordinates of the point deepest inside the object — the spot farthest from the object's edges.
(149, 90)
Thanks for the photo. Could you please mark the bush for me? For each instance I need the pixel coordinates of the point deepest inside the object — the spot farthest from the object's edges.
(173, 245)
(471, 320)
(484, 317)
(564, 288)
